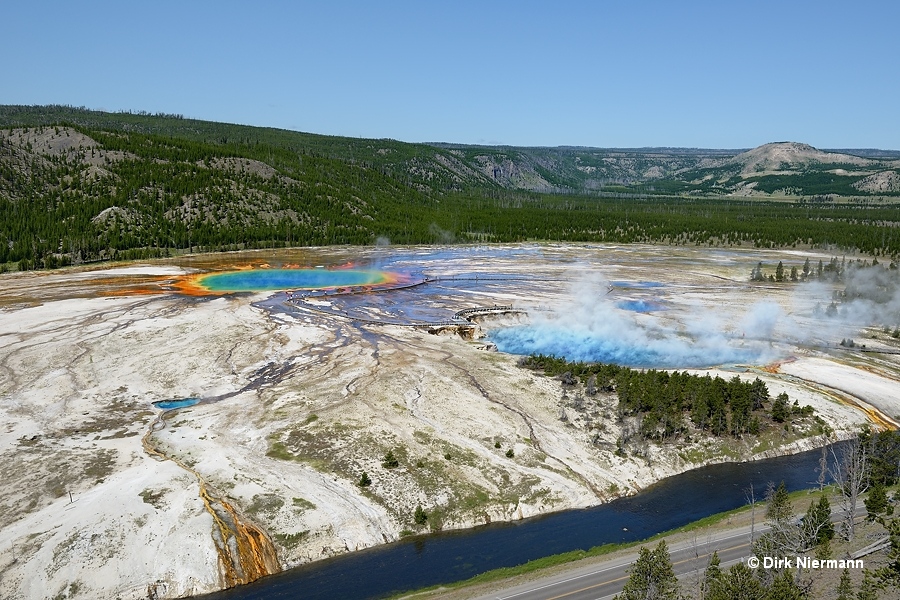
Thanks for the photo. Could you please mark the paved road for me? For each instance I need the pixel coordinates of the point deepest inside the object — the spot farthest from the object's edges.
(606, 580)
(603, 581)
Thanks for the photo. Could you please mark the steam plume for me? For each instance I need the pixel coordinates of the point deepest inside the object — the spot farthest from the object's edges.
(590, 328)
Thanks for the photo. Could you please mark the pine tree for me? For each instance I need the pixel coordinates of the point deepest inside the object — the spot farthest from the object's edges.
(779, 272)
(868, 589)
(877, 501)
(818, 521)
(780, 408)
(823, 550)
(845, 587)
(759, 393)
(651, 576)
(778, 504)
(712, 581)
(420, 516)
(364, 480)
(756, 273)
(739, 582)
(390, 461)
(890, 573)
(784, 587)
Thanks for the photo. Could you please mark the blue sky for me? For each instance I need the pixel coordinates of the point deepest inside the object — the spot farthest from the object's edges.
(723, 74)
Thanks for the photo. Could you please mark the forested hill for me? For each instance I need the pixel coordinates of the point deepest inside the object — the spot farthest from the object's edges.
(779, 169)
(430, 168)
(79, 185)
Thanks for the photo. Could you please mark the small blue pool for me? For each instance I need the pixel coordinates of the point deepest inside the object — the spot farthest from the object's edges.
(636, 284)
(640, 306)
(169, 404)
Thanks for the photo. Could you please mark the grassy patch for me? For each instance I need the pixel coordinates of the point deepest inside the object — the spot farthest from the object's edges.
(268, 504)
(474, 500)
(100, 464)
(781, 436)
(291, 540)
(695, 455)
(763, 445)
(116, 417)
(152, 498)
(329, 447)
(423, 438)
(278, 450)
(303, 504)
(716, 450)
(74, 588)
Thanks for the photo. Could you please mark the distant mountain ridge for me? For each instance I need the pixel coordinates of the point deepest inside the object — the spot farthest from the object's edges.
(437, 168)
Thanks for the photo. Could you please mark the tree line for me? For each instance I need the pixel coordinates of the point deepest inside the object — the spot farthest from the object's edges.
(667, 401)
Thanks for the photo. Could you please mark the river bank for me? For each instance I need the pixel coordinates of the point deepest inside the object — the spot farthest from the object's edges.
(453, 557)
(701, 538)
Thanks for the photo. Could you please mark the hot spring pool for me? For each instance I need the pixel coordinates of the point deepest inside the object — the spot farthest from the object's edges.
(633, 348)
(641, 306)
(262, 280)
(636, 284)
(170, 404)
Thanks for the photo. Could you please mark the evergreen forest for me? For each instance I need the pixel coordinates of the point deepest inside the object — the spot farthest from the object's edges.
(670, 404)
(79, 186)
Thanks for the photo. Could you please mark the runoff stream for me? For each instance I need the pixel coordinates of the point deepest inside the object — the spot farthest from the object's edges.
(446, 557)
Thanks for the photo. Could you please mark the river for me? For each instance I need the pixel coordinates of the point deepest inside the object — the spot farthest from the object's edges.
(446, 557)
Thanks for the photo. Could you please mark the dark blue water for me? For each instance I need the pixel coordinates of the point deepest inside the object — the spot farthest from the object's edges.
(453, 556)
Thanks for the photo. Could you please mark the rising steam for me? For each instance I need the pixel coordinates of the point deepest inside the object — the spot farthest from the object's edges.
(868, 296)
(590, 327)
(872, 296)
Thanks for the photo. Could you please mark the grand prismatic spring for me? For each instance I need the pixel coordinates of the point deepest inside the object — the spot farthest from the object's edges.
(284, 279)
